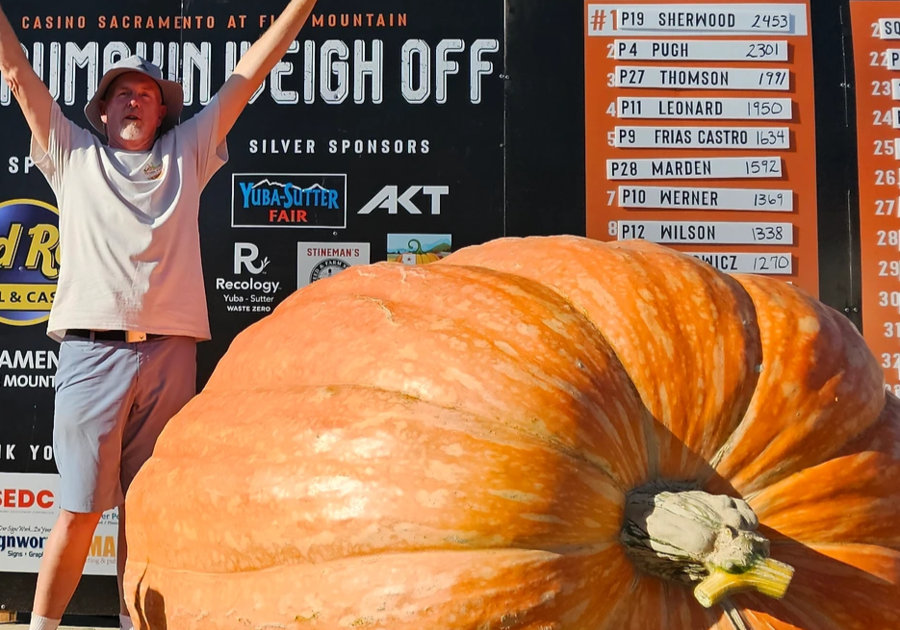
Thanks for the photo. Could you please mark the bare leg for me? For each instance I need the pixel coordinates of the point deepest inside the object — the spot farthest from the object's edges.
(63, 562)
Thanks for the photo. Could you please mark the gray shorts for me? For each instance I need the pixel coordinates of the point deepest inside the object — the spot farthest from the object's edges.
(113, 399)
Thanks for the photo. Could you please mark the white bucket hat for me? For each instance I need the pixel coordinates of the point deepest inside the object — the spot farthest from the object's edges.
(172, 94)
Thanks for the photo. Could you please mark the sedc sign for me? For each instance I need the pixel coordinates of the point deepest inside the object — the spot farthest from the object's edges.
(22, 498)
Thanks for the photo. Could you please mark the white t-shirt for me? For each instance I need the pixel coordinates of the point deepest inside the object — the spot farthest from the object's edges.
(128, 223)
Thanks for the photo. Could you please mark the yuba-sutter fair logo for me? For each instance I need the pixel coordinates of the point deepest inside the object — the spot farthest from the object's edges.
(29, 261)
(289, 200)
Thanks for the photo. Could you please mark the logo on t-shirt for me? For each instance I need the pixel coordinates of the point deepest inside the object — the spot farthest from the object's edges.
(153, 171)
(29, 261)
(289, 200)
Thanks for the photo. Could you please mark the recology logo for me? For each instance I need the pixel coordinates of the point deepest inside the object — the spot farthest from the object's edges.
(29, 261)
(289, 200)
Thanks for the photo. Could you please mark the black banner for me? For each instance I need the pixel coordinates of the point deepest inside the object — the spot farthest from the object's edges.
(377, 131)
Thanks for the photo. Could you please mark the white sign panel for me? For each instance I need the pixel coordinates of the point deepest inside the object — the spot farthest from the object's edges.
(694, 50)
(702, 19)
(28, 511)
(316, 261)
(741, 262)
(892, 58)
(703, 137)
(703, 78)
(889, 28)
(605, 20)
(676, 197)
(705, 108)
(694, 168)
(724, 232)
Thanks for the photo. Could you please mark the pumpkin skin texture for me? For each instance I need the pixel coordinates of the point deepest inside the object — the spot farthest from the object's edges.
(452, 446)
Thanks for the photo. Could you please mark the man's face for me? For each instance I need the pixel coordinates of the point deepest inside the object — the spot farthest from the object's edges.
(132, 111)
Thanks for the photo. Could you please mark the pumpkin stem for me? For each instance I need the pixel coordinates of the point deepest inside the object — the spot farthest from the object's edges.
(686, 535)
(767, 576)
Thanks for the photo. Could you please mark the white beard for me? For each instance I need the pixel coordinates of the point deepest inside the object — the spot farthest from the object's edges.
(132, 130)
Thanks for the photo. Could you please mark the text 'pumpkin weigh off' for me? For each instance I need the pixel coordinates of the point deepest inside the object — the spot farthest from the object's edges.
(539, 433)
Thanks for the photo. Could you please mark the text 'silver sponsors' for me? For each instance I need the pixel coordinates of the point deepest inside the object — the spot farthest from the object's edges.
(876, 52)
(694, 136)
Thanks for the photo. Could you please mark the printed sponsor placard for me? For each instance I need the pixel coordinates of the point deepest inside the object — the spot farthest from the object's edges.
(28, 510)
(316, 261)
(289, 200)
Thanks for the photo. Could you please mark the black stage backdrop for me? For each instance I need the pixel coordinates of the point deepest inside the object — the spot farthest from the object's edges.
(378, 136)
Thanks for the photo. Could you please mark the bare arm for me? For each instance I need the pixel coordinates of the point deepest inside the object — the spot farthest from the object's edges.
(258, 62)
(30, 92)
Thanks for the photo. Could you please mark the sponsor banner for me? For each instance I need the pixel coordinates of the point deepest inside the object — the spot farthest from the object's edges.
(28, 510)
(397, 110)
(316, 261)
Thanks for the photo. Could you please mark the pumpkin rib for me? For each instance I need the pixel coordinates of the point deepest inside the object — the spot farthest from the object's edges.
(599, 397)
(838, 586)
(651, 443)
(407, 592)
(549, 498)
(631, 292)
(848, 498)
(559, 447)
(819, 388)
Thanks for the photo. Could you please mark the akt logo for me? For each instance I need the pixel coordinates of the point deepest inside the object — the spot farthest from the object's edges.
(245, 257)
(29, 261)
(290, 200)
(390, 199)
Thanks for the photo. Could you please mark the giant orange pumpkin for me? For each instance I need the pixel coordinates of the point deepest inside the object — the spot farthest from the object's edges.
(541, 433)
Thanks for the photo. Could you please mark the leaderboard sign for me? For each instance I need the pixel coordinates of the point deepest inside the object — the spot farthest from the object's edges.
(700, 132)
(876, 51)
